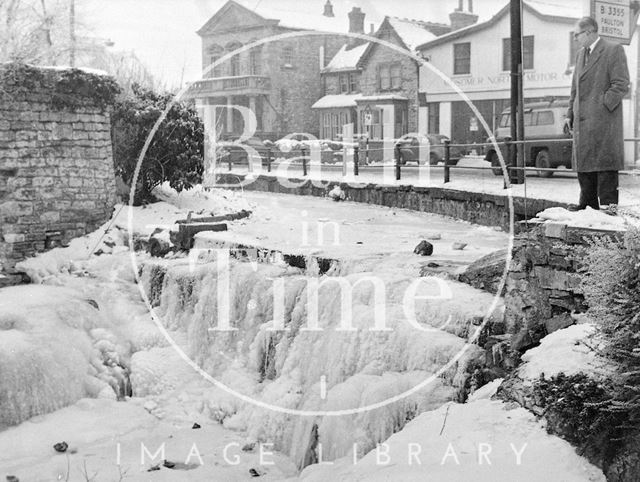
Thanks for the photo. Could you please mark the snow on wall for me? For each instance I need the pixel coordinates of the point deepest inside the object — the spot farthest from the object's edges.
(285, 368)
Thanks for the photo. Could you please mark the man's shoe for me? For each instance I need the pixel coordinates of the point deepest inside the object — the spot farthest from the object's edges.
(576, 207)
(610, 209)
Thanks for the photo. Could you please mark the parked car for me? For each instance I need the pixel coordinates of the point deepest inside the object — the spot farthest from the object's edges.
(543, 122)
(235, 152)
(409, 145)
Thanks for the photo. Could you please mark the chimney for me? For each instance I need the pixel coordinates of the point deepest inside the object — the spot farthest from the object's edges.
(356, 20)
(328, 9)
(460, 18)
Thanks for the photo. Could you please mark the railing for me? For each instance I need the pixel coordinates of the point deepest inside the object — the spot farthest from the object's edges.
(229, 84)
(448, 166)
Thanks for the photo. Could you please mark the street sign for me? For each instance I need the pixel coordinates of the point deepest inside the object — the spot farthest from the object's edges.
(367, 118)
(616, 19)
(473, 124)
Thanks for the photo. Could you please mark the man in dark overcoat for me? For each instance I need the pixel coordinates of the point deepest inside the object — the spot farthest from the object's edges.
(600, 81)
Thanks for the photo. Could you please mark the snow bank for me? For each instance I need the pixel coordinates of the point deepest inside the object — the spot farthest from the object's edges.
(480, 441)
(587, 218)
(570, 351)
(55, 348)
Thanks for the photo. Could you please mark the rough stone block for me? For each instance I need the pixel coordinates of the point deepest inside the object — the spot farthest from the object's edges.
(13, 237)
(50, 217)
(558, 322)
(555, 230)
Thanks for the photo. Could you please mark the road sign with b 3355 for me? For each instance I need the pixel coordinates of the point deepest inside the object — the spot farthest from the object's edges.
(616, 19)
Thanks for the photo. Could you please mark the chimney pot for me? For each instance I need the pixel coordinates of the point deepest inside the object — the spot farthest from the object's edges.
(328, 9)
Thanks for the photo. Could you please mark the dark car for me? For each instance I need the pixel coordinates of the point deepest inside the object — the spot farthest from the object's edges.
(237, 151)
(409, 145)
(543, 125)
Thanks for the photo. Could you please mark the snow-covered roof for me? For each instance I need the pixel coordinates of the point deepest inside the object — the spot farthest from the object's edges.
(568, 8)
(340, 100)
(381, 97)
(412, 32)
(346, 58)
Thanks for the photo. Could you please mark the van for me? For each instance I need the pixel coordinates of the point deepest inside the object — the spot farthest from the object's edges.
(543, 122)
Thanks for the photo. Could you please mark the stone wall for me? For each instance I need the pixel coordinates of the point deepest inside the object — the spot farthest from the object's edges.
(478, 208)
(543, 286)
(56, 169)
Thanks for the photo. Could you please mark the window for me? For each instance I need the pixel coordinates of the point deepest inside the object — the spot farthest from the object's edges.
(254, 62)
(327, 126)
(344, 83)
(389, 76)
(527, 53)
(396, 79)
(287, 56)
(234, 66)
(545, 118)
(216, 71)
(461, 58)
(505, 120)
(353, 82)
(385, 77)
(433, 126)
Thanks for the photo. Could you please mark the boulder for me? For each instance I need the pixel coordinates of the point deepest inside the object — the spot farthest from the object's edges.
(424, 248)
(486, 273)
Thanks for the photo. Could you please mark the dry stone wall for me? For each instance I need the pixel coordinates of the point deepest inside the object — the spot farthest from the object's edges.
(56, 168)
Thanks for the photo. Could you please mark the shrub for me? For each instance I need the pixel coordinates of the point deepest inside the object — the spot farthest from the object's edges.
(175, 153)
(611, 285)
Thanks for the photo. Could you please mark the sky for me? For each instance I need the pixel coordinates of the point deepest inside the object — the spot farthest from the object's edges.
(163, 32)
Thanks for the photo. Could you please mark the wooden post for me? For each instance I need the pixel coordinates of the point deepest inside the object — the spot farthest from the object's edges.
(396, 152)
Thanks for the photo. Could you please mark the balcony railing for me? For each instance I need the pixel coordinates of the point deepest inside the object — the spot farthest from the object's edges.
(244, 84)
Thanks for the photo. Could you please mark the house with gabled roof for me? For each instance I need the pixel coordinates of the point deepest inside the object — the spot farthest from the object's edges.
(476, 59)
(374, 86)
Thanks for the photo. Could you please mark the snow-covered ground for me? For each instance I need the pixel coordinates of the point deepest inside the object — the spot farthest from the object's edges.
(79, 333)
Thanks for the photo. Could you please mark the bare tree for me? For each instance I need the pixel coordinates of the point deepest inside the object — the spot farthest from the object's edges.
(35, 31)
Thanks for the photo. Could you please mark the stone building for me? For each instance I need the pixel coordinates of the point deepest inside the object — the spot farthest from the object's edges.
(278, 80)
(57, 177)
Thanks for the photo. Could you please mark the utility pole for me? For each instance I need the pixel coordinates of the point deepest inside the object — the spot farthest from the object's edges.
(72, 33)
(516, 158)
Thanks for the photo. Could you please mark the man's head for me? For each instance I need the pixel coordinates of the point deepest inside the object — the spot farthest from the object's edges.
(586, 31)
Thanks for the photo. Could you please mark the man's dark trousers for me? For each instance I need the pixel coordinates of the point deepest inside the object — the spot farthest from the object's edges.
(598, 184)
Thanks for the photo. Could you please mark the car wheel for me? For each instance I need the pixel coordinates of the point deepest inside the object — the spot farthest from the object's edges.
(496, 168)
(433, 159)
(543, 162)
